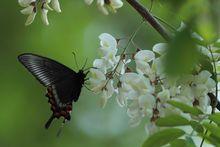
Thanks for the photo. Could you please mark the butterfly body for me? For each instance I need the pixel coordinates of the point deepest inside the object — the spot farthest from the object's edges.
(62, 83)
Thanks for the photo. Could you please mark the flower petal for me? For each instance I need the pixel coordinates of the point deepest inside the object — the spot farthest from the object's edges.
(145, 55)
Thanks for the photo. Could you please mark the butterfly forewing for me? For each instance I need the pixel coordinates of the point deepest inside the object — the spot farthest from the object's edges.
(46, 70)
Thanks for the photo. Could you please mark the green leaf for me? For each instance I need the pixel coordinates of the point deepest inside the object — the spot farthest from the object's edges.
(215, 118)
(217, 44)
(212, 139)
(190, 141)
(185, 108)
(179, 143)
(171, 121)
(163, 137)
(182, 54)
(207, 29)
(215, 130)
(197, 127)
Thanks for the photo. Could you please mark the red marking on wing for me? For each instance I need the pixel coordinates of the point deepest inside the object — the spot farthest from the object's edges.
(57, 111)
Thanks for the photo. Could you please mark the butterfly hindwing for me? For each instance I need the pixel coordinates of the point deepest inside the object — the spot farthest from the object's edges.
(46, 70)
(67, 90)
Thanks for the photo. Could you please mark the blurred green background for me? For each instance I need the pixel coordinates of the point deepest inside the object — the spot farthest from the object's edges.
(23, 107)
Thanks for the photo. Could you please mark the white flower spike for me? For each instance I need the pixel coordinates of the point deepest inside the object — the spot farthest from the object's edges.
(31, 9)
(105, 5)
(146, 91)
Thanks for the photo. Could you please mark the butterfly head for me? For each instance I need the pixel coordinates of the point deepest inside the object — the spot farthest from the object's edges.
(82, 75)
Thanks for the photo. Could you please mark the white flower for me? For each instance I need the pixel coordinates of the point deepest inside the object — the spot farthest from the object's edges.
(203, 76)
(28, 10)
(121, 97)
(157, 68)
(108, 43)
(181, 27)
(107, 93)
(197, 36)
(97, 80)
(105, 5)
(196, 87)
(160, 48)
(202, 84)
(102, 64)
(144, 55)
(139, 108)
(121, 66)
(30, 18)
(100, 84)
(132, 88)
(88, 2)
(143, 67)
(140, 84)
(164, 95)
(152, 70)
(44, 16)
(25, 3)
(204, 50)
(56, 5)
(101, 6)
(115, 4)
(146, 91)
(151, 128)
(142, 59)
(31, 9)
(204, 102)
(108, 47)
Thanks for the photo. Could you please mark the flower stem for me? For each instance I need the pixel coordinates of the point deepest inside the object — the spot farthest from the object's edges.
(150, 19)
(125, 48)
(216, 90)
(132, 37)
(166, 23)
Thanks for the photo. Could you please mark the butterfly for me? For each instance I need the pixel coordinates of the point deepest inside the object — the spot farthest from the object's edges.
(62, 83)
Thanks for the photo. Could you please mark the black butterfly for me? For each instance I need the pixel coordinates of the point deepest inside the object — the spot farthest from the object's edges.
(63, 84)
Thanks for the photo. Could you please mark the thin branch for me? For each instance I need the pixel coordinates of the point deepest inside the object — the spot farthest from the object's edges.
(166, 23)
(125, 48)
(150, 19)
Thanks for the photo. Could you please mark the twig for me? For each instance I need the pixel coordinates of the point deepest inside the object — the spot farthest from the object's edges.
(150, 19)
(211, 95)
(166, 23)
(125, 48)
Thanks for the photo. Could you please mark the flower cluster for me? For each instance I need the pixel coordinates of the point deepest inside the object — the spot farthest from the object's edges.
(105, 5)
(146, 90)
(31, 9)
(101, 79)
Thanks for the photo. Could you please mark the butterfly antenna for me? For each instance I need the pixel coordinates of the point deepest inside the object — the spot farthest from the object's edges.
(74, 55)
(85, 64)
(61, 128)
(90, 68)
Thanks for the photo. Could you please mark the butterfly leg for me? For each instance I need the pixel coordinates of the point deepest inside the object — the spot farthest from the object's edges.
(61, 127)
(88, 88)
(48, 123)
